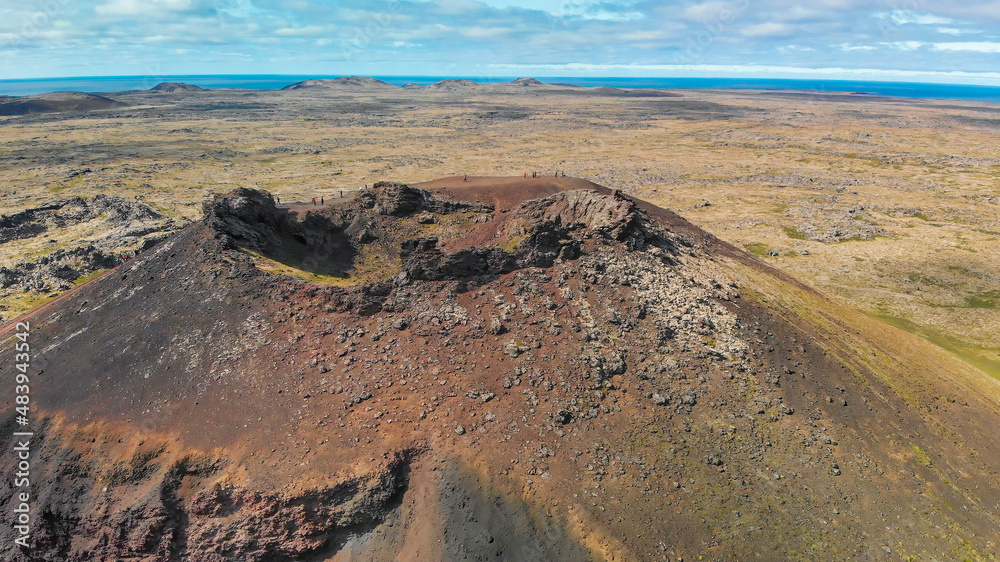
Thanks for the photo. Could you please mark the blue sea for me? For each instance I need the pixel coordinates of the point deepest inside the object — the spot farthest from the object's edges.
(99, 84)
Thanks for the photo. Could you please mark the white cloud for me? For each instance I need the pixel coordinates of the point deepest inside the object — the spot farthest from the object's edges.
(903, 17)
(977, 46)
(798, 12)
(605, 15)
(794, 48)
(583, 9)
(240, 9)
(479, 32)
(424, 32)
(304, 31)
(849, 47)
(770, 29)
(950, 76)
(645, 36)
(905, 45)
(457, 7)
(713, 10)
(436, 35)
(229, 54)
(140, 7)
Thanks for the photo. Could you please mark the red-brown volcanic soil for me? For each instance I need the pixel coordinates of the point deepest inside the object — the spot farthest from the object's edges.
(543, 370)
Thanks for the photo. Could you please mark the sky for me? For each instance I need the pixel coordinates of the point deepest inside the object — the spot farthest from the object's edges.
(903, 40)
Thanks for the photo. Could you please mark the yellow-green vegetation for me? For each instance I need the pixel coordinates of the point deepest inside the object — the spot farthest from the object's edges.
(88, 277)
(983, 358)
(923, 279)
(512, 243)
(296, 270)
(920, 456)
(794, 233)
(757, 248)
(369, 266)
(988, 299)
(24, 301)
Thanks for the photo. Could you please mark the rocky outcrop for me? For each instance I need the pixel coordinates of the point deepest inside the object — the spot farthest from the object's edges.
(325, 241)
(423, 259)
(125, 228)
(154, 504)
(537, 234)
(822, 221)
(117, 211)
(245, 218)
(58, 270)
(400, 200)
(579, 213)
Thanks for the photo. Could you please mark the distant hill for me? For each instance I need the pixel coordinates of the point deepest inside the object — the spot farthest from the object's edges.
(176, 87)
(452, 84)
(527, 82)
(55, 102)
(350, 81)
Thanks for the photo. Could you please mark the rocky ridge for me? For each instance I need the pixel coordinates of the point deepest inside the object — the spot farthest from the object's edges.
(120, 227)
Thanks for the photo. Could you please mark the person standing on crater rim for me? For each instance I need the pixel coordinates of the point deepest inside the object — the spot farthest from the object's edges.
(321, 201)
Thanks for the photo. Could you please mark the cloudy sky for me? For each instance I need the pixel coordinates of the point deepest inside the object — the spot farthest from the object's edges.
(919, 40)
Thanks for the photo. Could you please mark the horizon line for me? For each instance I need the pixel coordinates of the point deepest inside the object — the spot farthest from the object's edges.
(812, 75)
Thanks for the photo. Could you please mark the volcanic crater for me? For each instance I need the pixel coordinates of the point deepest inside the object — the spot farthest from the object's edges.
(493, 369)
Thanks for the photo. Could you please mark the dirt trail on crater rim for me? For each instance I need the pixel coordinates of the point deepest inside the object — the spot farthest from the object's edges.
(492, 369)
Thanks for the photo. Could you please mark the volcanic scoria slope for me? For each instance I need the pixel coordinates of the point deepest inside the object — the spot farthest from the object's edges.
(491, 369)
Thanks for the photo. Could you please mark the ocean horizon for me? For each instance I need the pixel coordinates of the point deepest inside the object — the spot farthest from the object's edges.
(110, 84)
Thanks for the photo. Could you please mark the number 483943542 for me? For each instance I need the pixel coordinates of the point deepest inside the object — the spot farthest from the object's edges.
(22, 361)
